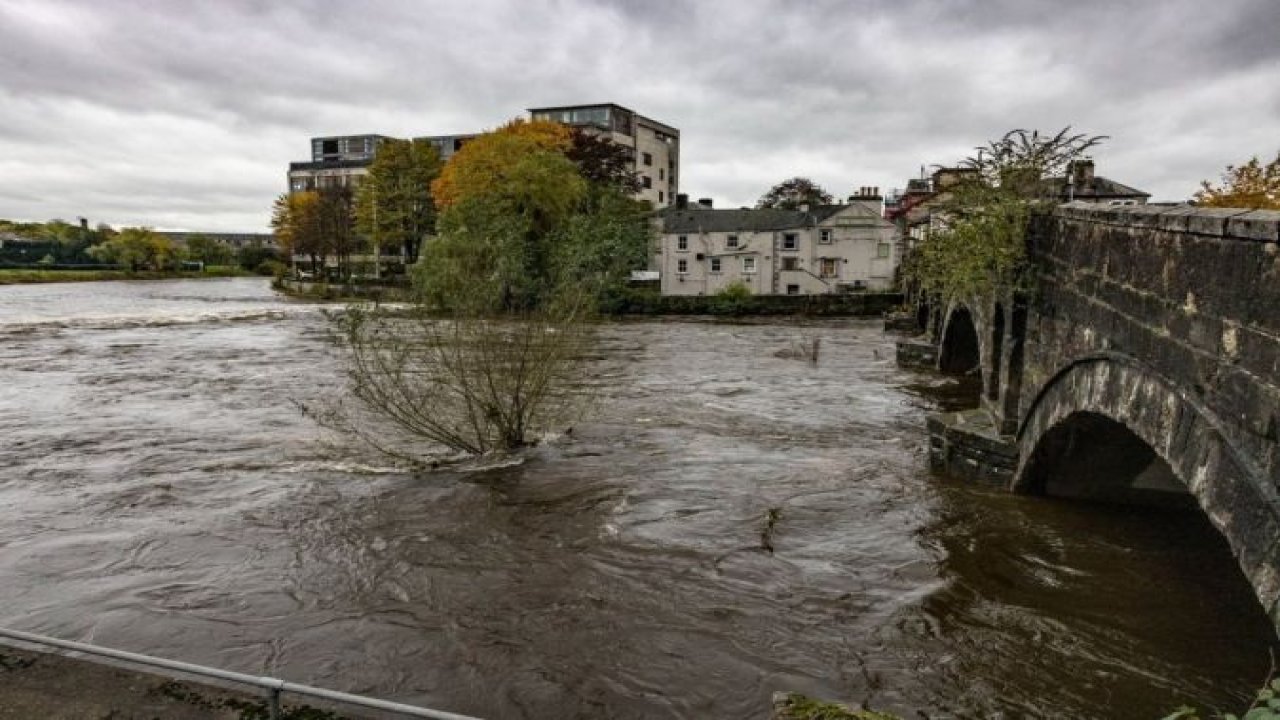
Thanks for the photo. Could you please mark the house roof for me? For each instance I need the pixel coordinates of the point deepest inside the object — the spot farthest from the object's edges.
(744, 220)
(1094, 187)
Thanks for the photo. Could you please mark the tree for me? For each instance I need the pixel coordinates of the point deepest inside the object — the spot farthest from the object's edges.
(471, 382)
(598, 247)
(295, 220)
(603, 162)
(524, 243)
(202, 248)
(138, 248)
(335, 224)
(1252, 185)
(980, 252)
(504, 196)
(791, 194)
(504, 166)
(394, 206)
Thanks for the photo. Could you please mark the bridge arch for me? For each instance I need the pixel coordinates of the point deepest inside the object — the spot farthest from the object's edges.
(1109, 413)
(960, 351)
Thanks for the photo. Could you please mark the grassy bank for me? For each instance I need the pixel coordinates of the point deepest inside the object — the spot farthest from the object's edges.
(18, 276)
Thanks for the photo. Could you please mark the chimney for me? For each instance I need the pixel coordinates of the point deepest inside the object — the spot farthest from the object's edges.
(1082, 171)
(682, 201)
(84, 223)
(705, 202)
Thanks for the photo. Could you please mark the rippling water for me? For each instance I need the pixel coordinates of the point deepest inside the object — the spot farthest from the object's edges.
(160, 492)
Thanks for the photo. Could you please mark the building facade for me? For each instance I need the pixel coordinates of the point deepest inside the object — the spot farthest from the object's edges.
(338, 161)
(654, 146)
(813, 250)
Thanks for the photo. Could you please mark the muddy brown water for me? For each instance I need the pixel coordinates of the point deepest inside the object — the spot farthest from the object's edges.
(161, 493)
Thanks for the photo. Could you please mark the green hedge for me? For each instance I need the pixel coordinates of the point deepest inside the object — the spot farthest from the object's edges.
(646, 302)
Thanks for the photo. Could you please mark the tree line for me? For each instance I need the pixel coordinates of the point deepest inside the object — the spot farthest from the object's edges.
(61, 243)
(516, 208)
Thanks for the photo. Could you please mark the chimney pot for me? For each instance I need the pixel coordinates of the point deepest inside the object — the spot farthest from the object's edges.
(682, 201)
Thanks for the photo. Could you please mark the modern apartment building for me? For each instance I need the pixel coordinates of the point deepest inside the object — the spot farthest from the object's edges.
(812, 250)
(337, 161)
(654, 146)
(340, 161)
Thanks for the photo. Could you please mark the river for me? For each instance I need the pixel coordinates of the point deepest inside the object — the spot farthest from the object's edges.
(160, 492)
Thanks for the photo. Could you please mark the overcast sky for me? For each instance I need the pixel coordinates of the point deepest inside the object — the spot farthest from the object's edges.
(185, 115)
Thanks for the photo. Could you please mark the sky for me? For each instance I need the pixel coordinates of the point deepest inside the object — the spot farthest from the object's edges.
(185, 115)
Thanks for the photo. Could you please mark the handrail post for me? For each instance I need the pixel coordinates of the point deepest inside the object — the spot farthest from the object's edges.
(274, 687)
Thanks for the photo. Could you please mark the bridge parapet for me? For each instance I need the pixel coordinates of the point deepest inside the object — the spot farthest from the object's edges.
(1193, 293)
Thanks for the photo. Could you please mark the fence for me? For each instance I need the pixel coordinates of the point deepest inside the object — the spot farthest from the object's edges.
(272, 688)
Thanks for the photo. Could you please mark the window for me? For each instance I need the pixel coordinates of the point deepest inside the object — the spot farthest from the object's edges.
(682, 242)
(659, 197)
(748, 265)
(824, 237)
(648, 158)
(790, 241)
(731, 242)
(715, 265)
(790, 263)
(662, 174)
(793, 289)
(682, 266)
(827, 267)
(645, 181)
(882, 250)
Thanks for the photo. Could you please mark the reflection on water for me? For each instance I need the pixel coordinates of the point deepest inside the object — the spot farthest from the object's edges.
(161, 493)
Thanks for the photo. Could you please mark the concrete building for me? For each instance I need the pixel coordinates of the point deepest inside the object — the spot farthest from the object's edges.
(654, 146)
(235, 241)
(340, 161)
(447, 145)
(337, 161)
(812, 250)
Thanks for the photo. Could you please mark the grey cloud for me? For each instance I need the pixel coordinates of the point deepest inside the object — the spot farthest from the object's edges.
(185, 115)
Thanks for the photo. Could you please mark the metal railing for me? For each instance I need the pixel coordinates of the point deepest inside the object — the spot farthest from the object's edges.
(273, 687)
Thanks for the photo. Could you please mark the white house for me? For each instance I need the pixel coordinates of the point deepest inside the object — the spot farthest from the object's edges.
(807, 251)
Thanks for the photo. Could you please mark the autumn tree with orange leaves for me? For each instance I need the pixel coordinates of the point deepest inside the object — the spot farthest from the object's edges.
(1251, 185)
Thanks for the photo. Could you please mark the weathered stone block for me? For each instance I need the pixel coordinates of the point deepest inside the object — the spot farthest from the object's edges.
(1212, 221)
(1144, 216)
(917, 354)
(1259, 225)
(1177, 218)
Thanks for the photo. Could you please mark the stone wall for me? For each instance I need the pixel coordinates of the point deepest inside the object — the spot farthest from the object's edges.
(1167, 321)
(1194, 294)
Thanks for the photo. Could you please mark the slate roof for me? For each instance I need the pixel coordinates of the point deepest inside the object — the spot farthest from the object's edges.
(1095, 187)
(749, 220)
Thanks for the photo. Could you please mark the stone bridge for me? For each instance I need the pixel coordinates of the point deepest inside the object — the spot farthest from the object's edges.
(1143, 368)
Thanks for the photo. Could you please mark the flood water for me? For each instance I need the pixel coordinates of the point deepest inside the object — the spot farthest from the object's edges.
(160, 492)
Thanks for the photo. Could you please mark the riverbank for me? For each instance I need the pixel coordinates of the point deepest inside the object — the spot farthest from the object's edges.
(52, 686)
(643, 304)
(23, 276)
